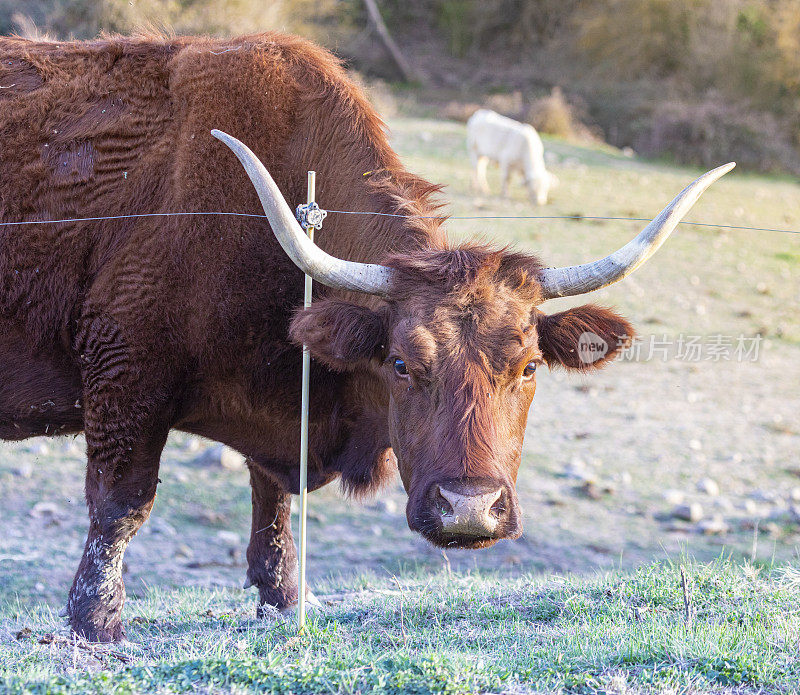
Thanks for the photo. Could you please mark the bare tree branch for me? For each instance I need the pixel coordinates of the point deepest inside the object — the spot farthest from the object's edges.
(408, 73)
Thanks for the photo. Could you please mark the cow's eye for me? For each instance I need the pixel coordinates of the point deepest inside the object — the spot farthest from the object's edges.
(400, 367)
(529, 370)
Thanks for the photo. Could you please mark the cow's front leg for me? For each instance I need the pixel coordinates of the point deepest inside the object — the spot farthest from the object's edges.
(505, 176)
(271, 554)
(120, 491)
(126, 421)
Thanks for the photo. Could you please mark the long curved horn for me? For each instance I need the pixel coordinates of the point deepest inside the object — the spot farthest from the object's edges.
(579, 279)
(312, 260)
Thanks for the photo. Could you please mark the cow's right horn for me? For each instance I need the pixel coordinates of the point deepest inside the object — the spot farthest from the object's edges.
(579, 279)
(312, 260)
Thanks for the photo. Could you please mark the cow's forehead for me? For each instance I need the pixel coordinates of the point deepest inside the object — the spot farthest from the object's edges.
(491, 326)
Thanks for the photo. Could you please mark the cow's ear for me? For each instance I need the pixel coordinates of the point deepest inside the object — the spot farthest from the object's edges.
(340, 334)
(583, 338)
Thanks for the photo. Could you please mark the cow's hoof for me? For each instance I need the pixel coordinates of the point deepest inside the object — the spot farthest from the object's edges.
(312, 603)
(266, 610)
(106, 633)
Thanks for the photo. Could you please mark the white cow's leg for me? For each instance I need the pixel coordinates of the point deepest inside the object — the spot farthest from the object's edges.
(505, 174)
(480, 172)
(473, 161)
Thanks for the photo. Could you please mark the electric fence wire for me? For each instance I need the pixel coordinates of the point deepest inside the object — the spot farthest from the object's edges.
(388, 214)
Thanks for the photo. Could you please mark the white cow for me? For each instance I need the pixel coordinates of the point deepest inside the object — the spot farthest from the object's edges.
(514, 146)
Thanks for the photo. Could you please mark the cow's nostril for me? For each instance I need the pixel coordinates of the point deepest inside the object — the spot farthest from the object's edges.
(442, 505)
(498, 509)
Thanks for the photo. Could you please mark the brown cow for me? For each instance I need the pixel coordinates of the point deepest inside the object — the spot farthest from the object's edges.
(125, 329)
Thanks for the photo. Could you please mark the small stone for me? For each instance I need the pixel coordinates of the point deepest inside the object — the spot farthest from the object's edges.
(71, 448)
(193, 444)
(577, 470)
(762, 495)
(748, 506)
(387, 506)
(625, 478)
(40, 449)
(708, 487)
(219, 456)
(591, 490)
(695, 445)
(228, 537)
(677, 527)
(184, 551)
(45, 510)
(674, 496)
(712, 527)
(771, 529)
(24, 471)
(209, 516)
(160, 526)
(575, 473)
(231, 459)
(206, 458)
(794, 494)
(688, 512)
(723, 504)
(594, 490)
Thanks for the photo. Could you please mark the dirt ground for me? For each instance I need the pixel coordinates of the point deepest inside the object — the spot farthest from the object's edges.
(608, 457)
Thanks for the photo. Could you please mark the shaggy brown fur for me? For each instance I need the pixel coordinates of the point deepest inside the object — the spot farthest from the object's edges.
(126, 329)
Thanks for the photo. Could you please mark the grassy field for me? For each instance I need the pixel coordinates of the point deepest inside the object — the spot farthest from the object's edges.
(737, 631)
(590, 597)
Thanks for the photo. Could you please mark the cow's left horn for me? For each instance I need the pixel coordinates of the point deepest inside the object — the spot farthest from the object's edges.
(579, 279)
(312, 260)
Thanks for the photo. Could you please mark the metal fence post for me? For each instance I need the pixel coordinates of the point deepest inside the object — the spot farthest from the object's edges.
(301, 580)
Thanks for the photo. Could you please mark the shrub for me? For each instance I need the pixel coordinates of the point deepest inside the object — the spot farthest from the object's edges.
(87, 18)
(458, 110)
(554, 115)
(712, 132)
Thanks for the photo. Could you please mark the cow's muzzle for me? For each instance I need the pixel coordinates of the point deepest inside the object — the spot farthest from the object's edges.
(468, 513)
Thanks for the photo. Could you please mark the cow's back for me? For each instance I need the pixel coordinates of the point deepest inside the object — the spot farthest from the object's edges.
(85, 131)
(120, 126)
